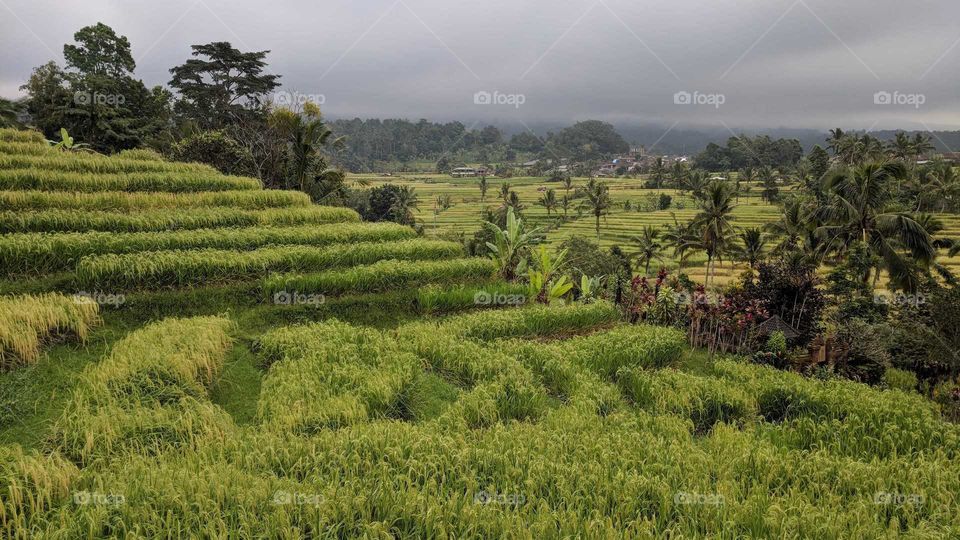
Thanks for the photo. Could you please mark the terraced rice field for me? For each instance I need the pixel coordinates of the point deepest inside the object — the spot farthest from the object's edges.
(618, 228)
(339, 380)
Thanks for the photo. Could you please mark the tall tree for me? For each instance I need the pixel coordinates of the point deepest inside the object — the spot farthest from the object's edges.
(596, 199)
(220, 84)
(857, 210)
(306, 135)
(714, 223)
(752, 248)
(648, 247)
(548, 200)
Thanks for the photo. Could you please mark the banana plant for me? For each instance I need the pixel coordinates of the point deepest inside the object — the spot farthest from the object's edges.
(67, 144)
(590, 288)
(545, 281)
(510, 245)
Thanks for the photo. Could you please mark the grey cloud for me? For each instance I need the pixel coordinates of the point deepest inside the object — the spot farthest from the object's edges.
(819, 66)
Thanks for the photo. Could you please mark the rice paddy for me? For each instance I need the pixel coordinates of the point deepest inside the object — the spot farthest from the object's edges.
(375, 384)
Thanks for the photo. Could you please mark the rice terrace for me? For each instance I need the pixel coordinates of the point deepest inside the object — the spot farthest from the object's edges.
(225, 314)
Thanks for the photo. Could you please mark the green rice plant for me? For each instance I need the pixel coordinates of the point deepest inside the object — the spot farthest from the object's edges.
(529, 321)
(89, 181)
(99, 164)
(144, 154)
(436, 299)
(627, 346)
(40, 253)
(381, 276)
(344, 375)
(30, 484)
(202, 266)
(704, 400)
(27, 321)
(149, 393)
(121, 201)
(841, 416)
(29, 148)
(167, 220)
(22, 135)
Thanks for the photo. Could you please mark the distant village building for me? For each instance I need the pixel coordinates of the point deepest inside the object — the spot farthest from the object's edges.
(460, 172)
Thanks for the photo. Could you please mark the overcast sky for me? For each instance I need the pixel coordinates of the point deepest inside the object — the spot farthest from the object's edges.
(750, 63)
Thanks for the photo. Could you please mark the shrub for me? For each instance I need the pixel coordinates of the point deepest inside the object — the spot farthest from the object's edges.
(217, 149)
(899, 379)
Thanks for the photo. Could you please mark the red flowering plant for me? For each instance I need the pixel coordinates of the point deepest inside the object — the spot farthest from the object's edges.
(727, 322)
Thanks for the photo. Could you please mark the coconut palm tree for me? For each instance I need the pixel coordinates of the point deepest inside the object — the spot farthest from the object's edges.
(696, 181)
(648, 246)
(406, 202)
(680, 238)
(504, 192)
(939, 187)
(484, 186)
(679, 172)
(714, 223)
(791, 227)
(856, 210)
(659, 170)
(307, 135)
(596, 199)
(835, 141)
(751, 252)
(548, 200)
(567, 183)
